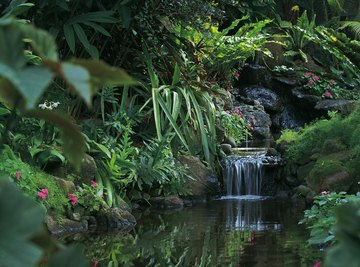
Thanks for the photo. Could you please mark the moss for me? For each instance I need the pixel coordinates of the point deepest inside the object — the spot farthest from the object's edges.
(342, 156)
(32, 180)
(321, 169)
(333, 145)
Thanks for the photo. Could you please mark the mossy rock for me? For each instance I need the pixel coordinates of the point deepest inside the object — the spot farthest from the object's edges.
(329, 175)
(332, 146)
(304, 171)
(342, 156)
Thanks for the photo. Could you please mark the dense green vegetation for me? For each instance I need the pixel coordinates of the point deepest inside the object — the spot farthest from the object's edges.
(60, 100)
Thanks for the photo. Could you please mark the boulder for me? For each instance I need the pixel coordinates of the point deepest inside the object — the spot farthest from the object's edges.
(341, 105)
(230, 141)
(65, 227)
(168, 202)
(304, 171)
(259, 119)
(291, 180)
(310, 197)
(340, 181)
(298, 201)
(304, 100)
(115, 218)
(226, 148)
(203, 180)
(288, 118)
(253, 74)
(268, 98)
(68, 187)
(302, 190)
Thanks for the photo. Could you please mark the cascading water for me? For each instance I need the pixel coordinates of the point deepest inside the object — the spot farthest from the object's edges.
(243, 175)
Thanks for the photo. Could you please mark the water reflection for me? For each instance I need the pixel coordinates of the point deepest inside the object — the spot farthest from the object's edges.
(219, 233)
(247, 215)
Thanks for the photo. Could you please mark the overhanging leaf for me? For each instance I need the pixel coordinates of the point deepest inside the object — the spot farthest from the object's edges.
(73, 140)
(70, 257)
(79, 79)
(21, 218)
(34, 81)
(102, 74)
(41, 41)
(11, 46)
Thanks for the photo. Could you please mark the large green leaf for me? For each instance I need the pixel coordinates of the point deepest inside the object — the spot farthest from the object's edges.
(73, 140)
(21, 218)
(70, 257)
(79, 79)
(34, 81)
(11, 46)
(103, 74)
(41, 41)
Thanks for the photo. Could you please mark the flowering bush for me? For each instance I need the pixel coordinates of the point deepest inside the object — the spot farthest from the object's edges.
(323, 87)
(235, 125)
(89, 196)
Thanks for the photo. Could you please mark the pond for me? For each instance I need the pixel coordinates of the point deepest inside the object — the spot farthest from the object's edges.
(226, 232)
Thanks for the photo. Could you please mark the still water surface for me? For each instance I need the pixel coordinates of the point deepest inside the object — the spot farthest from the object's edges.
(227, 232)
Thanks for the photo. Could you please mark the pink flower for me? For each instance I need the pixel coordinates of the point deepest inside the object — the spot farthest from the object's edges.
(227, 112)
(73, 199)
(43, 193)
(237, 110)
(18, 175)
(328, 94)
(237, 74)
(93, 183)
(307, 74)
(323, 193)
(318, 264)
(316, 78)
(95, 263)
(102, 195)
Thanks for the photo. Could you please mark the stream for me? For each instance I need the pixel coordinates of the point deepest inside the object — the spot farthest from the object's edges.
(243, 231)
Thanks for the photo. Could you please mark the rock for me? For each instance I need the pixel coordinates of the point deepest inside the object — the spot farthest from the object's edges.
(68, 187)
(288, 81)
(259, 119)
(187, 203)
(230, 141)
(115, 218)
(253, 74)
(272, 152)
(340, 181)
(304, 171)
(310, 197)
(122, 204)
(87, 170)
(332, 146)
(265, 96)
(298, 201)
(315, 156)
(341, 105)
(303, 100)
(302, 190)
(291, 181)
(204, 181)
(168, 202)
(65, 227)
(226, 148)
(282, 195)
(288, 118)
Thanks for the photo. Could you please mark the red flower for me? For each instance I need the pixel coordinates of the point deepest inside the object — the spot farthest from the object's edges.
(318, 264)
(328, 94)
(18, 175)
(93, 183)
(95, 263)
(227, 112)
(73, 199)
(237, 110)
(316, 78)
(237, 74)
(43, 193)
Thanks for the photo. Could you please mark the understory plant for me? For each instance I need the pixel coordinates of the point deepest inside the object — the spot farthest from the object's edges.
(235, 125)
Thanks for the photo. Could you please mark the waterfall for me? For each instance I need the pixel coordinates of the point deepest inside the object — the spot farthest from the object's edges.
(243, 175)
